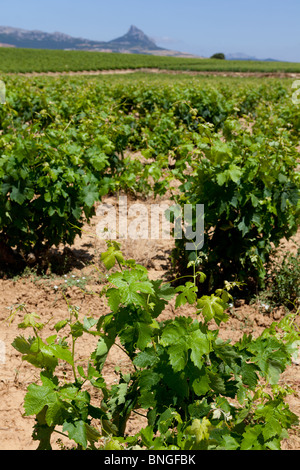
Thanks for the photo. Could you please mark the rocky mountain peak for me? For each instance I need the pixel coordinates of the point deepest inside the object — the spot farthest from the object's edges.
(135, 37)
(136, 32)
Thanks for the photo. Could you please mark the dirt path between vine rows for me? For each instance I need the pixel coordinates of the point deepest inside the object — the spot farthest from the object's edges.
(216, 73)
(75, 276)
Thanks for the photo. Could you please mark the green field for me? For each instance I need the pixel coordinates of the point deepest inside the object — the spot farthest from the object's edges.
(66, 142)
(33, 60)
(91, 122)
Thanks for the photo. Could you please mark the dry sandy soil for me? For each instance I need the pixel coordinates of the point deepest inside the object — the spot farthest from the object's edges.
(39, 294)
(214, 73)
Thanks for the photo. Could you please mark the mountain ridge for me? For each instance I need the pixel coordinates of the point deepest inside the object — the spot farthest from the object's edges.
(134, 41)
(242, 56)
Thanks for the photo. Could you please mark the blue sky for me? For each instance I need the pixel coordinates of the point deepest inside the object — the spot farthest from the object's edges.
(261, 28)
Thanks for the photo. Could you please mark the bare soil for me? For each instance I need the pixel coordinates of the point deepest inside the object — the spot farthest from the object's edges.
(48, 294)
(215, 73)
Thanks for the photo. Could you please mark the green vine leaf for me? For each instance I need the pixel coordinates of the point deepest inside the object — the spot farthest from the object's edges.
(212, 307)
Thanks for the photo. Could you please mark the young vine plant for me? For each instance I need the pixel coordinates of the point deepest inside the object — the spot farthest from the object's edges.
(196, 390)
